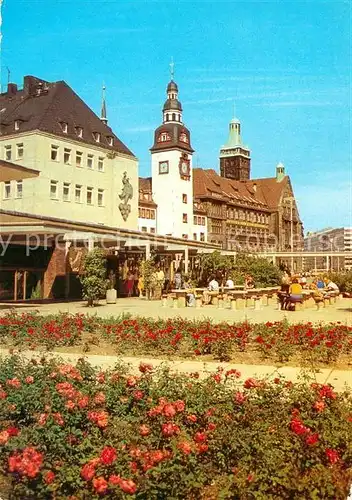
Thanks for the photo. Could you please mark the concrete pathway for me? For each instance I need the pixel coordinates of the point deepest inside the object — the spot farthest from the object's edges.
(341, 311)
(339, 379)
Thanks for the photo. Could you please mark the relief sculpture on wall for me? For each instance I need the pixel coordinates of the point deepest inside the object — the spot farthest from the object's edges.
(125, 196)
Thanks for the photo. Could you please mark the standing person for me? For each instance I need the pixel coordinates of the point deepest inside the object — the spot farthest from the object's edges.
(140, 286)
(130, 283)
(285, 282)
(135, 282)
(178, 280)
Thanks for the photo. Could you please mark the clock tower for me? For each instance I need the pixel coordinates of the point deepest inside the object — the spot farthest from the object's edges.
(235, 161)
(172, 179)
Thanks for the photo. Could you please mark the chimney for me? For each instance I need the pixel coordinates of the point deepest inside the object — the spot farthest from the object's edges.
(11, 89)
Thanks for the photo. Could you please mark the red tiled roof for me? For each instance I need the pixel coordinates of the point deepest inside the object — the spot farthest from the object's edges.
(43, 105)
(145, 187)
(207, 183)
(270, 189)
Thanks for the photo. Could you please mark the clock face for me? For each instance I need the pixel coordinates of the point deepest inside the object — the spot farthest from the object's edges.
(163, 167)
(184, 167)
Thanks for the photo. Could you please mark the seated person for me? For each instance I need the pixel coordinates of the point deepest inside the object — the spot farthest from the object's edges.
(229, 283)
(295, 292)
(213, 289)
(248, 282)
(190, 296)
(330, 286)
(320, 283)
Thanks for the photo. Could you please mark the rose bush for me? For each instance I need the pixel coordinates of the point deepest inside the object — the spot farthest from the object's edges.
(279, 341)
(73, 432)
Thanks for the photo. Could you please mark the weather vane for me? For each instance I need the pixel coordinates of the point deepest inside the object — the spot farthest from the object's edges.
(172, 68)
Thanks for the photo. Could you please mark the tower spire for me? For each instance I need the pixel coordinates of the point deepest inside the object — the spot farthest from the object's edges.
(172, 68)
(103, 107)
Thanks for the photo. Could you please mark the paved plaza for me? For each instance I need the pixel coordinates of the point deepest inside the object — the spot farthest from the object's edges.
(341, 311)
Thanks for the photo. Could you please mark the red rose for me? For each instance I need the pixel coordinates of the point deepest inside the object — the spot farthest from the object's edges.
(128, 486)
(49, 477)
(108, 455)
(211, 427)
(88, 472)
(138, 395)
(250, 383)
(100, 485)
(312, 439)
(145, 367)
(332, 455)
(319, 406)
(144, 430)
(169, 411)
(13, 431)
(29, 380)
(83, 402)
(169, 429)
(240, 398)
(202, 447)
(185, 447)
(131, 381)
(99, 398)
(114, 479)
(192, 418)
(179, 405)
(200, 437)
(298, 427)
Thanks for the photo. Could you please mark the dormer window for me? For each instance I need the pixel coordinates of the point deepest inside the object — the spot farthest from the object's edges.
(110, 140)
(79, 131)
(17, 124)
(164, 137)
(96, 136)
(64, 127)
(183, 137)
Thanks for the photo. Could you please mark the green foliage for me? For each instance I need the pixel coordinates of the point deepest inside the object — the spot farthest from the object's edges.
(159, 435)
(37, 292)
(263, 272)
(94, 282)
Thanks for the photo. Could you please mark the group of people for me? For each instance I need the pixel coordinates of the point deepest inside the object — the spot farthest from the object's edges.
(292, 288)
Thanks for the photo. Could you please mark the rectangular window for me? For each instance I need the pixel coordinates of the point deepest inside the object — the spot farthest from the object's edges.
(17, 124)
(184, 218)
(53, 189)
(203, 221)
(152, 230)
(78, 193)
(100, 197)
(54, 153)
(147, 213)
(90, 159)
(19, 189)
(66, 191)
(195, 236)
(19, 152)
(185, 236)
(7, 190)
(8, 153)
(195, 220)
(152, 214)
(89, 195)
(143, 213)
(139, 212)
(202, 237)
(184, 198)
(144, 229)
(96, 136)
(79, 158)
(100, 164)
(67, 156)
(110, 141)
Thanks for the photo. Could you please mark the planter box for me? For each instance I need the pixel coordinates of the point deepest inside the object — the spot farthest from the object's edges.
(111, 296)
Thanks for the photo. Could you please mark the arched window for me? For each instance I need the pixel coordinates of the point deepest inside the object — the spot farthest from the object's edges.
(173, 117)
(164, 137)
(167, 117)
(183, 137)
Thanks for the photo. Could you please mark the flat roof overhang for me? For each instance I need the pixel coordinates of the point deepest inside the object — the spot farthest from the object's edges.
(12, 172)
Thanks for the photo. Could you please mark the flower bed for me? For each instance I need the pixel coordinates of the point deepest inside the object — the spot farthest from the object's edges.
(75, 433)
(279, 342)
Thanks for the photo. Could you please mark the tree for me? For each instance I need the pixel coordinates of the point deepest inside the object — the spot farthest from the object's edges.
(93, 280)
(214, 264)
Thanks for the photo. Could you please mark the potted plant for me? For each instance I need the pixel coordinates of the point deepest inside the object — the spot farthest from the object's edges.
(93, 280)
(111, 293)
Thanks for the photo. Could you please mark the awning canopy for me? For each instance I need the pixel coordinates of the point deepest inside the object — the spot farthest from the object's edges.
(12, 172)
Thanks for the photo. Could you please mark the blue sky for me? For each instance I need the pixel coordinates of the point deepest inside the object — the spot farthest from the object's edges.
(286, 65)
